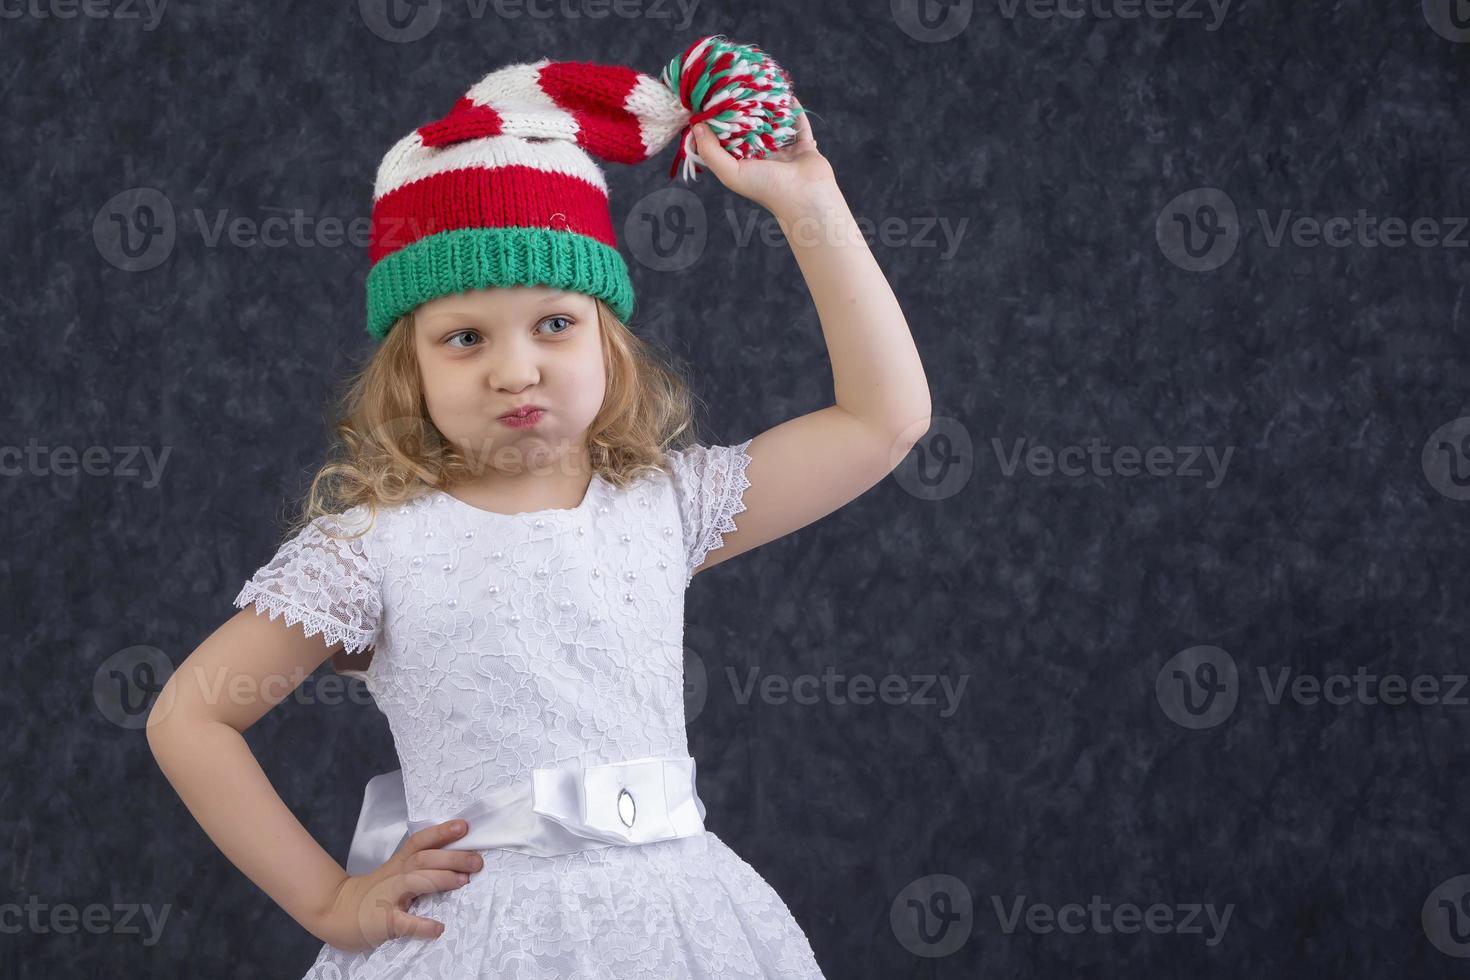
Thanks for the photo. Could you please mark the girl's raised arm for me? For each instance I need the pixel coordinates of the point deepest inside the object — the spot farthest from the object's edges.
(809, 466)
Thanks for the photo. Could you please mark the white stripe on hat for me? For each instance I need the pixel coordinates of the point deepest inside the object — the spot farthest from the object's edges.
(660, 114)
(513, 83)
(525, 109)
(409, 160)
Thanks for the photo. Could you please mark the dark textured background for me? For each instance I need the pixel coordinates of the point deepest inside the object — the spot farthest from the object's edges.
(1061, 316)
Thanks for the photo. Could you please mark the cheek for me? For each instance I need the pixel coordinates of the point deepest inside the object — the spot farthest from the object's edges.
(445, 396)
(591, 380)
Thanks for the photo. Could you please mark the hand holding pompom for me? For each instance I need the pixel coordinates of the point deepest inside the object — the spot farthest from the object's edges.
(782, 180)
(743, 121)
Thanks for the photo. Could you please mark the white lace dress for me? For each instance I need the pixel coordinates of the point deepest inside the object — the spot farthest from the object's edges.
(507, 642)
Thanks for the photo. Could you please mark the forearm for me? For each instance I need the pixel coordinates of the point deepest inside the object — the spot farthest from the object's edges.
(214, 772)
(876, 372)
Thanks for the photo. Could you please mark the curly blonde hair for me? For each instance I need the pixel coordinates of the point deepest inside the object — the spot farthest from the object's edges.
(387, 449)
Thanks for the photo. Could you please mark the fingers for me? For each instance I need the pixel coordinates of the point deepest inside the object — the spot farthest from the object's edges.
(435, 836)
(409, 886)
(401, 924)
(711, 153)
(804, 126)
(416, 883)
(436, 860)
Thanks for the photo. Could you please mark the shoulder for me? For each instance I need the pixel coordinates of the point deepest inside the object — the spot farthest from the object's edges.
(367, 530)
(699, 469)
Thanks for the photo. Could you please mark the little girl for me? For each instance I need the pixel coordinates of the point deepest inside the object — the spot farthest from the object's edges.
(511, 535)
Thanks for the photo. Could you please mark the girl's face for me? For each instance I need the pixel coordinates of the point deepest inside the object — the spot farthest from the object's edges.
(486, 352)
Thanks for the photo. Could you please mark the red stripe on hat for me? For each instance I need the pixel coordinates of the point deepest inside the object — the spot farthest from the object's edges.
(596, 96)
(480, 197)
(466, 121)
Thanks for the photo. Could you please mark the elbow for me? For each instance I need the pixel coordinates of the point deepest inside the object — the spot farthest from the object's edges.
(165, 726)
(891, 443)
(156, 727)
(911, 427)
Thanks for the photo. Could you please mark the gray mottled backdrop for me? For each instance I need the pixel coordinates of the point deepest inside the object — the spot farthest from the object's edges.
(1147, 662)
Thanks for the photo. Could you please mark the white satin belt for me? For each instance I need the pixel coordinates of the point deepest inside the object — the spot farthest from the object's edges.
(555, 811)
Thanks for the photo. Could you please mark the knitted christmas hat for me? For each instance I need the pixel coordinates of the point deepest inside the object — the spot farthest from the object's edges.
(502, 191)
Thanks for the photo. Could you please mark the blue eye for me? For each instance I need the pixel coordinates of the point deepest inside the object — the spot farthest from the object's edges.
(462, 333)
(566, 320)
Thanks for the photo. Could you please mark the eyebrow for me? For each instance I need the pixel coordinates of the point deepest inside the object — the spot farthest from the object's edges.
(560, 296)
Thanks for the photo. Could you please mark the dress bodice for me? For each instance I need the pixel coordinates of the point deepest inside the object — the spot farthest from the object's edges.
(507, 642)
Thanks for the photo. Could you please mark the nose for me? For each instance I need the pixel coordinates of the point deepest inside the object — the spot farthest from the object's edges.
(514, 367)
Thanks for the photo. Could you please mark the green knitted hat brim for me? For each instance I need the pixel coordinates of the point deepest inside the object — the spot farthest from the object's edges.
(478, 258)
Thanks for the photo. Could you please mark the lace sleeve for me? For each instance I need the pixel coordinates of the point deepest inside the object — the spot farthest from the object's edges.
(709, 484)
(322, 581)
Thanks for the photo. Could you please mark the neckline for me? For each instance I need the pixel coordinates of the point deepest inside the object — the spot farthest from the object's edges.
(585, 502)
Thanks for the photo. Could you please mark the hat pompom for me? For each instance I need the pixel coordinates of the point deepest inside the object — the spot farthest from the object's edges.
(740, 91)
